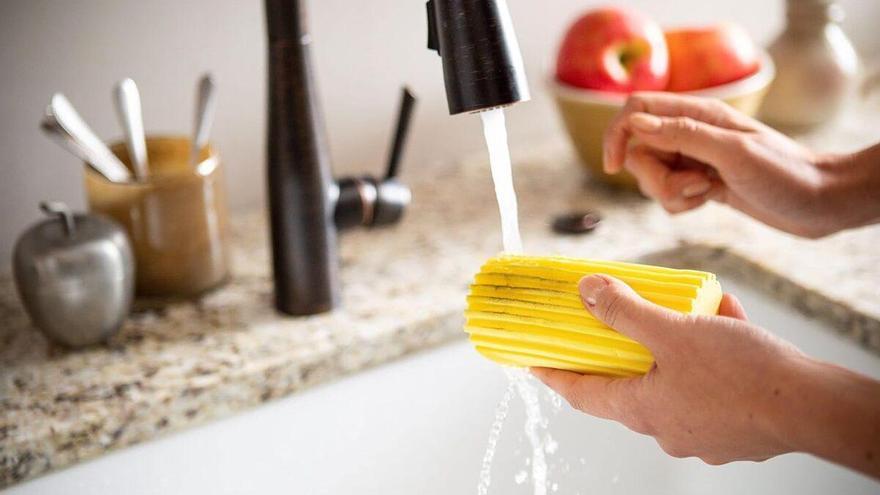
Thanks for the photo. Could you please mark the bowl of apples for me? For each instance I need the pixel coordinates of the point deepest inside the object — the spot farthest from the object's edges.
(611, 52)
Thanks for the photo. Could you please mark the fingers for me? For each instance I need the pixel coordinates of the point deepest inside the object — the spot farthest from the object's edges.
(705, 110)
(731, 307)
(696, 139)
(677, 190)
(618, 306)
(595, 395)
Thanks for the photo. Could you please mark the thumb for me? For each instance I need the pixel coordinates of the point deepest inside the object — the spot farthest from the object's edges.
(618, 306)
(694, 138)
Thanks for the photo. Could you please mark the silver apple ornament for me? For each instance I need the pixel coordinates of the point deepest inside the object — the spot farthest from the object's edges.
(75, 275)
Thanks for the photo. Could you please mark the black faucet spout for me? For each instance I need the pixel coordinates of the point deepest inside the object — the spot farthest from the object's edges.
(482, 63)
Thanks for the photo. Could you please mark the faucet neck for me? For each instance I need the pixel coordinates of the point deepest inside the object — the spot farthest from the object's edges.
(304, 258)
(285, 20)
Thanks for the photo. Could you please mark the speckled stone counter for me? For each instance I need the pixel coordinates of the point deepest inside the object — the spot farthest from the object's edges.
(403, 291)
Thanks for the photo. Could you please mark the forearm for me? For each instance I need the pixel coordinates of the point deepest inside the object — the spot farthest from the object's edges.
(832, 413)
(851, 187)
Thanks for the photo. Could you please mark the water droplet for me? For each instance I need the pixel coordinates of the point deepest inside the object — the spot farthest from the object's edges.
(550, 445)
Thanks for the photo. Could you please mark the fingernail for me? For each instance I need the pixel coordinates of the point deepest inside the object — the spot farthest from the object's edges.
(590, 287)
(645, 122)
(696, 189)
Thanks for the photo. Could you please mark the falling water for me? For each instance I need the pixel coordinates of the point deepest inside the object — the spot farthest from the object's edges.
(502, 174)
(518, 380)
(494, 434)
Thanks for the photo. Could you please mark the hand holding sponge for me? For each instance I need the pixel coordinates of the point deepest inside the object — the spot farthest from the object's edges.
(526, 311)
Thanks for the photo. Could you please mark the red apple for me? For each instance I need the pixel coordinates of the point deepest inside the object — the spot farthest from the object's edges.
(613, 49)
(705, 57)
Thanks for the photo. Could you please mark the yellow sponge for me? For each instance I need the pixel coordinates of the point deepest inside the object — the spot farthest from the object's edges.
(526, 311)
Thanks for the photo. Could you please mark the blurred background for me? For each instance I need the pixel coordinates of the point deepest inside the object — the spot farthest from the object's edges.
(363, 52)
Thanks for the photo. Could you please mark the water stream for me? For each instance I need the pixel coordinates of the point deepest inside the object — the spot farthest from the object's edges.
(502, 174)
(519, 380)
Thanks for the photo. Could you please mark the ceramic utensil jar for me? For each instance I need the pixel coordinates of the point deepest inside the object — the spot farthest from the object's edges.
(816, 67)
(176, 218)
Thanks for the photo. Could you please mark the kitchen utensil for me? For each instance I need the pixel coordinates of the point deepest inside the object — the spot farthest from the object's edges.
(52, 130)
(128, 107)
(75, 275)
(66, 127)
(204, 116)
(586, 113)
(177, 219)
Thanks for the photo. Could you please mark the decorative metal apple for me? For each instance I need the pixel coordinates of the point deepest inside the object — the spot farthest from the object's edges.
(75, 275)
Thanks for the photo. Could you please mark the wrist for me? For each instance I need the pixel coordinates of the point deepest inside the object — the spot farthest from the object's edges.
(829, 412)
(850, 187)
(784, 400)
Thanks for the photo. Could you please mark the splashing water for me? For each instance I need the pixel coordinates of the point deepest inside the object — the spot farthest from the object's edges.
(540, 441)
(494, 434)
(502, 174)
(535, 427)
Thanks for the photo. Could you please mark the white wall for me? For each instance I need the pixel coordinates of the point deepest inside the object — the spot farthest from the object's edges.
(363, 49)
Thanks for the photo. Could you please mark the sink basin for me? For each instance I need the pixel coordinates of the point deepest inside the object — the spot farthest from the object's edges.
(420, 425)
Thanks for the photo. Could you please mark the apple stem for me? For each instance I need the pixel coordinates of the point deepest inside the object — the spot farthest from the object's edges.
(62, 211)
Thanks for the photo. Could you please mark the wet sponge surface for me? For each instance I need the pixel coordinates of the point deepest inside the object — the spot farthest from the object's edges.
(526, 311)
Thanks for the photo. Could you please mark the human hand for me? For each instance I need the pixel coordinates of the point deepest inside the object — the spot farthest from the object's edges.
(715, 388)
(690, 150)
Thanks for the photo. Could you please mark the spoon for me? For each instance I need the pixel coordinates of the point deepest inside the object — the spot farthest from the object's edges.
(64, 125)
(128, 107)
(204, 115)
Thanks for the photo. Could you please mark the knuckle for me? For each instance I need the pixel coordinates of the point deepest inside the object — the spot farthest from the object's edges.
(641, 424)
(685, 125)
(613, 305)
(634, 102)
(673, 449)
(718, 107)
(579, 403)
(713, 460)
(641, 419)
(741, 142)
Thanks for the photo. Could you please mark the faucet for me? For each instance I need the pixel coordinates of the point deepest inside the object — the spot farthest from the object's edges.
(482, 70)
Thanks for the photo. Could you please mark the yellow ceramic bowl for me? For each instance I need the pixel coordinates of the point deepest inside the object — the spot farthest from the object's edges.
(586, 113)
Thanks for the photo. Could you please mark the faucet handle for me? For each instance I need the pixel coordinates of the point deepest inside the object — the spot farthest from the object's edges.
(404, 118)
(373, 202)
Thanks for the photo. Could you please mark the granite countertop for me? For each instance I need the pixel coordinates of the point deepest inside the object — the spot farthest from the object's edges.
(403, 290)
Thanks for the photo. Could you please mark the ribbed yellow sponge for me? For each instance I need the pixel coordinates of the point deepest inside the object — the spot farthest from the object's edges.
(526, 311)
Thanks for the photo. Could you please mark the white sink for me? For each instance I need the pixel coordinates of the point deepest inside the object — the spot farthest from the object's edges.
(420, 425)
